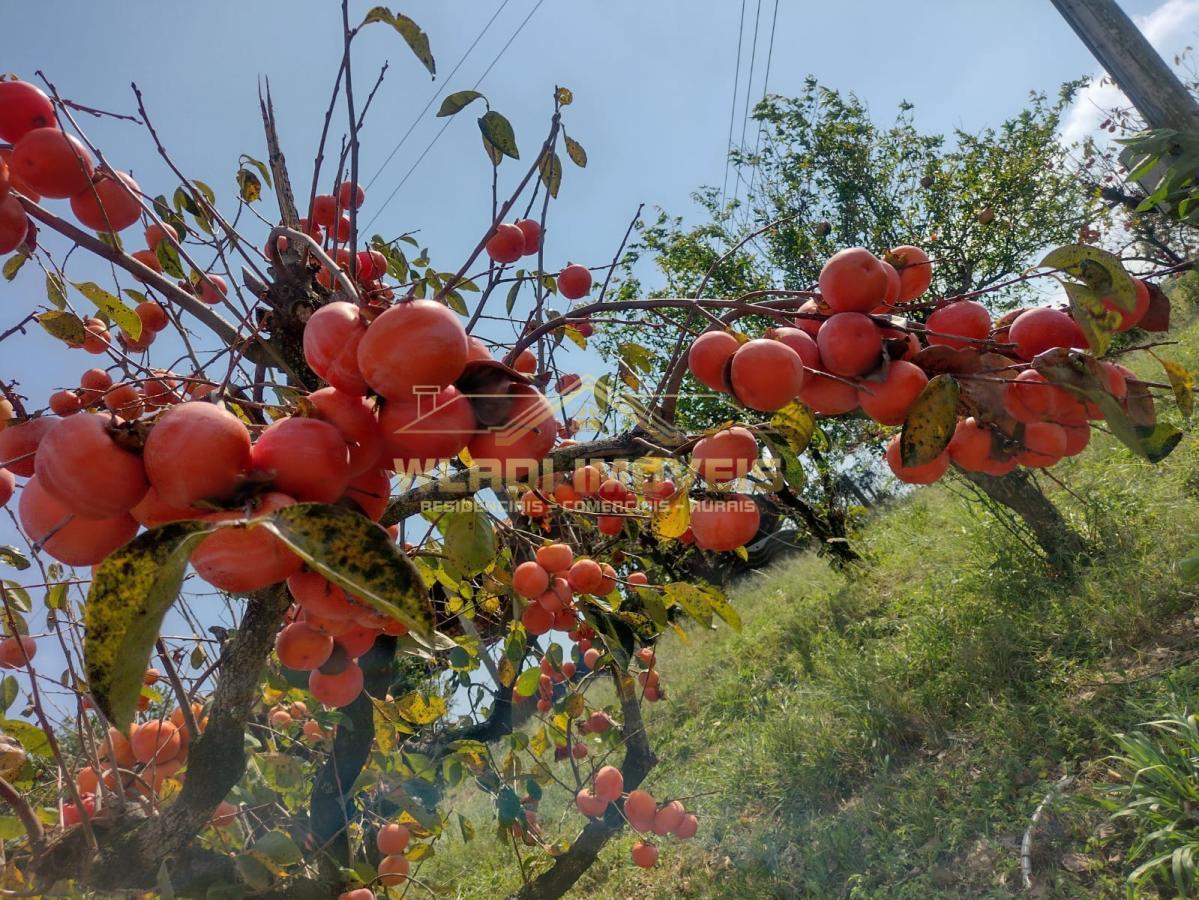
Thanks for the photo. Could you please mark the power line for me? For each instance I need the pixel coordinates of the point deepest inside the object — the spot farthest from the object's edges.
(445, 82)
(765, 86)
(446, 125)
(724, 187)
(749, 86)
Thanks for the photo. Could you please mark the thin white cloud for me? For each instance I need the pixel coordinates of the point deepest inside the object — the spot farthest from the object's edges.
(1169, 28)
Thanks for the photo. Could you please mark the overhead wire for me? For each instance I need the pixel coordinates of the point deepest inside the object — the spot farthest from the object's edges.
(433, 99)
(765, 87)
(749, 86)
(724, 186)
(441, 130)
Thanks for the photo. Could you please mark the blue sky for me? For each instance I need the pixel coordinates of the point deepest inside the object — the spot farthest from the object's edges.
(653, 87)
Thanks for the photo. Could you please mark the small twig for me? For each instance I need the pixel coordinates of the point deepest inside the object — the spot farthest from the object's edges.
(1026, 843)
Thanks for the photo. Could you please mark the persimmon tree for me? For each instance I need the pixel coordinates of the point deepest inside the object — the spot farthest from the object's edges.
(446, 575)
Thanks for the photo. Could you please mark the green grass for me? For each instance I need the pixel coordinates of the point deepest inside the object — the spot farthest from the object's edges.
(889, 732)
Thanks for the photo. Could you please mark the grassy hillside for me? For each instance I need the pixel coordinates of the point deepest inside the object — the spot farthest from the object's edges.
(888, 732)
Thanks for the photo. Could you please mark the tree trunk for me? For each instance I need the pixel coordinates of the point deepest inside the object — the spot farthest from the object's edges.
(1061, 543)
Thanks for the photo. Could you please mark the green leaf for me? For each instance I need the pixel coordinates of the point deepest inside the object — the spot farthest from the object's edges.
(636, 356)
(654, 607)
(112, 307)
(13, 265)
(457, 101)
(510, 302)
(1190, 567)
(130, 595)
(469, 540)
(930, 422)
(166, 890)
(1097, 322)
(8, 693)
(1101, 271)
(551, 173)
(209, 193)
(358, 556)
(249, 186)
(168, 258)
(416, 39)
(465, 826)
(11, 556)
(30, 736)
(1082, 374)
(56, 292)
(692, 599)
(575, 151)
(526, 684)
(497, 132)
(66, 326)
(790, 468)
(278, 847)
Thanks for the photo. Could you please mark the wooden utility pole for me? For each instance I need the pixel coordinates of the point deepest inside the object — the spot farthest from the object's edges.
(1157, 93)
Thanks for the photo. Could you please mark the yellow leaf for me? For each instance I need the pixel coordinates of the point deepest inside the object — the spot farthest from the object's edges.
(743, 553)
(575, 705)
(565, 97)
(1183, 383)
(931, 421)
(673, 519)
(507, 672)
(1097, 322)
(796, 424)
(421, 709)
(539, 743)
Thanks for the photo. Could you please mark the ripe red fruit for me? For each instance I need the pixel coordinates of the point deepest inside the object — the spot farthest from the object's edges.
(507, 244)
(240, 559)
(155, 741)
(963, 319)
(14, 224)
(724, 523)
(726, 455)
(970, 447)
(110, 204)
(799, 341)
(514, 450)
(850, 344)
(332, 337)
(196, 451)
(669, 818)
(81, 466)
(644, 855)
(640, 808)
(354, 417)
(212, 289)
(393, 870)
(555, 558)
(609, 784)
(1038, 330)
(1030, 397)
(302, 648)
(589, 804)
(766, 375)
(8, 484)
(16, 650)
(532, 234)
(915, 272)
(392, 838)
(536, 619)
(1077, 438)
(853, 280)
(19, 443)
(574, 281)
(53, 163)
(306, 458)
(708, 357)
(586, 577)
(426, 429)
(65, 403)
(337, 690)
(79, 542)
(1130, 318)
(5, 179)
(827, 396)
(922, 474)
(1044, 444)
(525, 362)
(350, 195)
(325, 210)
(23, 107)
(610, 525)
(530, 580)
(687, 828)
(415, 344)
(888, 401)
